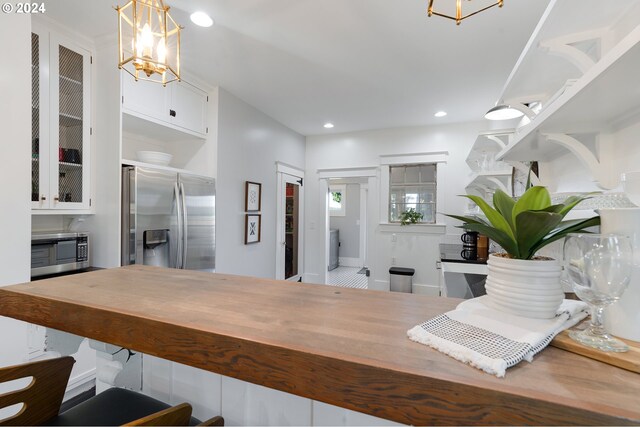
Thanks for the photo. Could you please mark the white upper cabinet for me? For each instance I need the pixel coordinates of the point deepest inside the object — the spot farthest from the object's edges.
(61, 129)
(145, 99)
(179, 105)
(189, 107)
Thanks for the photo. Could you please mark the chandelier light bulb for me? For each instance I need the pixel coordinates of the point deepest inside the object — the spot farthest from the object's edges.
(162, 51)
(147, 41)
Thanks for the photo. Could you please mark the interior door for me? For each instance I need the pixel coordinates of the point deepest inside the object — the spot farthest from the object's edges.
(290, 228)
(198, 195)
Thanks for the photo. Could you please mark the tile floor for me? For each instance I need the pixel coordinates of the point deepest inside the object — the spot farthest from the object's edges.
(347, 277)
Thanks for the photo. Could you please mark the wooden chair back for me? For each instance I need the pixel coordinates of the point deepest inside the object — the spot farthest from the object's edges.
(44, 394)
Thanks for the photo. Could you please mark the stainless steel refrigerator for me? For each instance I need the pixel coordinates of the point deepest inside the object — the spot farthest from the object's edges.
(168, 219)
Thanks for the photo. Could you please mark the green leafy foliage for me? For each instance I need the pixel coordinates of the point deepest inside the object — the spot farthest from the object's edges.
(410, 216)
(337, 196)
(524, 227)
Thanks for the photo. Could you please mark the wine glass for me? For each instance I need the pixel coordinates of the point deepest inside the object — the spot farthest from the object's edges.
(599, 268)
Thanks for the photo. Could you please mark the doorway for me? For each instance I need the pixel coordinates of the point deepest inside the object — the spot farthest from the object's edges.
(289, 259)
(347, 232)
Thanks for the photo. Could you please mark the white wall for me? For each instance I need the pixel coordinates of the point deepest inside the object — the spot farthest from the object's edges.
(414, 246)
(249, 145)
(349, 224)
(15, 150)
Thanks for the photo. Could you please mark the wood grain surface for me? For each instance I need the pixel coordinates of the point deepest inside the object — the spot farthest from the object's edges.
(345, 347)
(41, 397)
(629, 360)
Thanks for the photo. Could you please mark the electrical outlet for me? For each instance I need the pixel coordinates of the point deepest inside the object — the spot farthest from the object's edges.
(394, 238)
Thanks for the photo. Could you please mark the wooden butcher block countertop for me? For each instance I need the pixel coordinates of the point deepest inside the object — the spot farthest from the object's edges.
(345, 347)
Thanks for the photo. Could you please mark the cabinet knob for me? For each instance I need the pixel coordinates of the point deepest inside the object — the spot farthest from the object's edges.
(43, 198)
(172, 113)
(56, 198)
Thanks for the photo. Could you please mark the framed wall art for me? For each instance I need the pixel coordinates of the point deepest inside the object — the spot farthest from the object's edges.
(252, 228)
(252, 196)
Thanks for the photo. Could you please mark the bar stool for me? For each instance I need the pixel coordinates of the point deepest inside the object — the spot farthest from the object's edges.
(43, 396)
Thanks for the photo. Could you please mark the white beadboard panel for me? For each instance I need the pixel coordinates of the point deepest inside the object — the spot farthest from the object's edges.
(156, 377)
(245, 404)
(200, 388)
(329, 415)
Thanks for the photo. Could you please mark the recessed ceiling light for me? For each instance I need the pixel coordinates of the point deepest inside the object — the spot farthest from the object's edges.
(201, 19)
(440, 114)
(328, 125)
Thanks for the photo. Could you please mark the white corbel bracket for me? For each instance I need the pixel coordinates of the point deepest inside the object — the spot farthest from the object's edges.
(498, 184)
(599, 168)
(567, 47)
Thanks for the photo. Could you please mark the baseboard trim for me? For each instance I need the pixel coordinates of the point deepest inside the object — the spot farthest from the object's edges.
(311, 278)
(422, 289)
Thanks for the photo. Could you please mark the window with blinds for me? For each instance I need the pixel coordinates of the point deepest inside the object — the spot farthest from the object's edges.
(413, 187)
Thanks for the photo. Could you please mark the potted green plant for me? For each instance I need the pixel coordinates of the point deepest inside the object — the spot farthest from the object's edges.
(410, 216)
(520, 282)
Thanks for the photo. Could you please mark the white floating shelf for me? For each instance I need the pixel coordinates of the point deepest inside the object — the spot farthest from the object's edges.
(491, 142)
(491, 180)
(607, 94)
(164, 168)
(593, 25)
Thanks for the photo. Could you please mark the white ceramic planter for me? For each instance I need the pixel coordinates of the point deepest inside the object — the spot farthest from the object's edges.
(528, 288)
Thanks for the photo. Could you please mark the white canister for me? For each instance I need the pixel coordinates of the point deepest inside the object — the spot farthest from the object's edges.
(622, 319)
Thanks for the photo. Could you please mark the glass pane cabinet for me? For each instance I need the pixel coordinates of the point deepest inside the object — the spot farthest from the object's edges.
(60, 123)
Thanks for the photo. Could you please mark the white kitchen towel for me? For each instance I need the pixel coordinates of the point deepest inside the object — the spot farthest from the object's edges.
(491, 340)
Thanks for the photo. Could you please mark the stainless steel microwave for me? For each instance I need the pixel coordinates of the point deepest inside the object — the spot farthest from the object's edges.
(53, 252)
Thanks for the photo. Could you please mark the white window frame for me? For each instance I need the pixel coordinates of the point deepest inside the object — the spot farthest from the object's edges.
(405, 185)
(439, 157)
(342, 188)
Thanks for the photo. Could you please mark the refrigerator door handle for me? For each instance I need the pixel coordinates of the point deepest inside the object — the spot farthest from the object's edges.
(176, 198)
(185, 221)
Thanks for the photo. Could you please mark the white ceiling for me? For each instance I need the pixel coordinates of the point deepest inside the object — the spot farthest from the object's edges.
(361, 64)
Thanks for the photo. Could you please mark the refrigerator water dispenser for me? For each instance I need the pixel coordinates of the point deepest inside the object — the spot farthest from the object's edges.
(156, 247)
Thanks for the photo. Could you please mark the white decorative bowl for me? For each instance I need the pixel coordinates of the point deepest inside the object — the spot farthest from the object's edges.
(154, 157)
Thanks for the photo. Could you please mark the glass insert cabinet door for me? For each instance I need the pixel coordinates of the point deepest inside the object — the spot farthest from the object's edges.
(60, 123)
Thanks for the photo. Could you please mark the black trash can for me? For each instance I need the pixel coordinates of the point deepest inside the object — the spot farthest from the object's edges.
(401, 279)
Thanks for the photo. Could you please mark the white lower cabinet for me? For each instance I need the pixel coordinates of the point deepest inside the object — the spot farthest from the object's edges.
(330, 415)
(239, 402)
(175, 383)
(245, 404)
